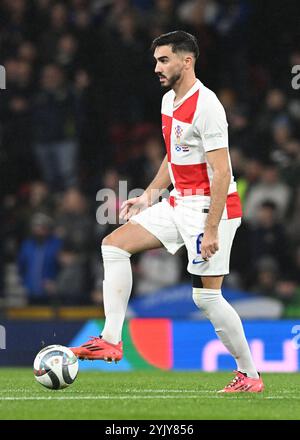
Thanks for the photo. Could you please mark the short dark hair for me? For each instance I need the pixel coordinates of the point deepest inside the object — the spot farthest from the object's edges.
(269, 204)
(180, 41)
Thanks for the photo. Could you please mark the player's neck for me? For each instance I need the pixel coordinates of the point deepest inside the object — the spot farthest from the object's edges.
(183, 87)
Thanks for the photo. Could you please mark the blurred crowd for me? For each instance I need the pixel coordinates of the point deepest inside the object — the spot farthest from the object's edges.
(81, 112)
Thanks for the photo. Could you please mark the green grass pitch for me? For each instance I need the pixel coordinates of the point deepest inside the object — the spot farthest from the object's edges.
(146, 395)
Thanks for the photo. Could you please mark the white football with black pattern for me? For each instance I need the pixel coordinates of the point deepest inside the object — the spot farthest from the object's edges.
(55, 367)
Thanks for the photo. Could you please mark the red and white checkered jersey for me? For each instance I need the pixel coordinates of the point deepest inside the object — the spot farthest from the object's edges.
(196, 125)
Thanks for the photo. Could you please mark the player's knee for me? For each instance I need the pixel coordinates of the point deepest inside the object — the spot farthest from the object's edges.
(198, 298)
(205, 298)
(198, 291)
(109, 241)
(112, 240)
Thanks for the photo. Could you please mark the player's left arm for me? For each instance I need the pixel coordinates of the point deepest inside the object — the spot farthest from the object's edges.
(219, 162)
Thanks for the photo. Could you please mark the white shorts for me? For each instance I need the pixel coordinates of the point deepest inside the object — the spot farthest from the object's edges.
(184, 225)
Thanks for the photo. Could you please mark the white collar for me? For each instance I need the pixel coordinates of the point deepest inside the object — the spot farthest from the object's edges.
(189, 93)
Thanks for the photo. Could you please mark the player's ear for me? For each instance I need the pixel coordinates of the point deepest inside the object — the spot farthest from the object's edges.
(189, 61)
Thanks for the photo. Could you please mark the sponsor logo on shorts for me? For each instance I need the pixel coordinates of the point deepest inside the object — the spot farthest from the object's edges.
(196, 261)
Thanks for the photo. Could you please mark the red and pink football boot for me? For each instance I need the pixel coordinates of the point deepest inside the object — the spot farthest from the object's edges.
(243, 384)
(96, 348)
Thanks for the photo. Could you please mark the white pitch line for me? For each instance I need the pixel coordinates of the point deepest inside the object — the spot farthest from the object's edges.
(137, 390)
(195, 396)
(98, 397)
(128, 390)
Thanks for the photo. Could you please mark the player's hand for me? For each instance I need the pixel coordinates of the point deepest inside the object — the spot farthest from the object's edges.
(133, 206)
(209, 243)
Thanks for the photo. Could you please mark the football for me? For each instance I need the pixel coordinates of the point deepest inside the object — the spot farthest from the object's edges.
(55, 367)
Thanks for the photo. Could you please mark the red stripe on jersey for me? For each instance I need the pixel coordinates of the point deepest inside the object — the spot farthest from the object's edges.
(185, 113)
(166, 130)
(190, 178)
(233, 205)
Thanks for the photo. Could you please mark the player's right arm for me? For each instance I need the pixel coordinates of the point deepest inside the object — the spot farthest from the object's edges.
(151, 194)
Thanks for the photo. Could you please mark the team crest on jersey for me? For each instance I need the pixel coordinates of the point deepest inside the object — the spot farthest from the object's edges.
(178, 132)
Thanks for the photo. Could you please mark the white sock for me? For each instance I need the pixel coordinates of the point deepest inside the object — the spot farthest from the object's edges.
(117, 287)
(228, 327)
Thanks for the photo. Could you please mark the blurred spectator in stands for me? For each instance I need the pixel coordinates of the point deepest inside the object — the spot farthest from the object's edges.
(15, 24)
(293, 223)
(107, 214)
(125, 52)
(295, 267)
(156, 269)
(38, 260)
(238, 161)
(154, 154)
(240, 267)
(198, 11)
(72, 283)
(39, 198)
(96, 153)
(254, 169)
(281, 133)
(228, 99)
(238, 117)
(145, 158)
(74, 223)
(286, 291)
(35, 198)
(55, 125)
(15, 117)
(271, 188)
(27, 52)
(267, 273)
(107, 219)
(58, 25)
(274, 108)
(97, 276)
(66, 55)
(267, 237)
(165, 13)
(87, 39)
(197, 17)
(240, 131)
(248, 172)
(117, 10)
(271, 282)
(287, 157)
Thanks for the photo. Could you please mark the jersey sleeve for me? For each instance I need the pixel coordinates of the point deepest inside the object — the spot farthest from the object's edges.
(211, 125)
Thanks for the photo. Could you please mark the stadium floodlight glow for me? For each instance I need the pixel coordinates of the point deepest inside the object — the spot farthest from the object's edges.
(2, 338)
(2, 78)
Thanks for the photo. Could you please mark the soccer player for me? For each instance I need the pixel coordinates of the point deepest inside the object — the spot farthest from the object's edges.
(202, 213)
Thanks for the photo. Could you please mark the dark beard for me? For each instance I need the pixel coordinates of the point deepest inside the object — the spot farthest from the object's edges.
(171, 82)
